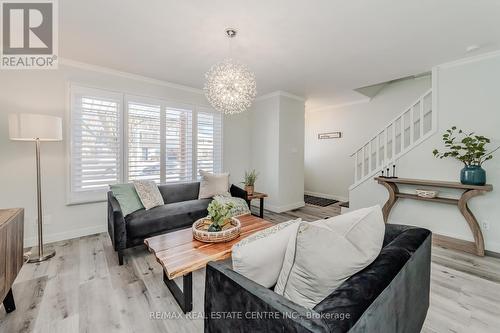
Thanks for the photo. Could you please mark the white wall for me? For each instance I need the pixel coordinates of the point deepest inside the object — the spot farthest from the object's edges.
(277, 150)
(291, 150)
(264, 148)
(467, 97)
(329, 171)
(46, 92)
(236, 146)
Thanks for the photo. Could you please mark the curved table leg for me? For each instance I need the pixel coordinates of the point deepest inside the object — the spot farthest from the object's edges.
(471, 219)
(392, 189)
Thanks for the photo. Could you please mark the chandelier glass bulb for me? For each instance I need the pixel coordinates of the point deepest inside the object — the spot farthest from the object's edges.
(230, 86)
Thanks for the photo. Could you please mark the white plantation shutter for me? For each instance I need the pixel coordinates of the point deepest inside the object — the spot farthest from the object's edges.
(116, 138)
(178, 145)
(95, 140)
(143, 141)
(209, 141)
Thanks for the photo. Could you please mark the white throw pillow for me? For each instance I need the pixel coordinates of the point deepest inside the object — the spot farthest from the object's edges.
(213, 184)
(323, 254)
(148, 192)
(259, 257)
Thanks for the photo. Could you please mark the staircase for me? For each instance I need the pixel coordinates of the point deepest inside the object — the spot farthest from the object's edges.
(406, 131)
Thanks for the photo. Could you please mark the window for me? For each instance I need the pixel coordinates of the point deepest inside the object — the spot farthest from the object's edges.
(209, 152)
(178, 145)
(117, 138)
(95, 141)
(143, 141)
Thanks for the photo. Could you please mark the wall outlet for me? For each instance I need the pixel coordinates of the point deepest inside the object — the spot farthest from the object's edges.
(485, 225)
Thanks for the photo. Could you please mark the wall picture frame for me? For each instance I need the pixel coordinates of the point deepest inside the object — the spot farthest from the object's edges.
(329, 135)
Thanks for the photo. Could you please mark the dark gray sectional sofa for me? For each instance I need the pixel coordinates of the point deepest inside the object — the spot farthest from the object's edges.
(182, 208)
(391, 295)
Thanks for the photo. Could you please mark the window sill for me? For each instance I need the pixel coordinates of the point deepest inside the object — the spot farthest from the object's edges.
(84, 198)
(84, 202)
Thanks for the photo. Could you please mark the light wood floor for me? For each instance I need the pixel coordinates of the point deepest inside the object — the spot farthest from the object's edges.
(83, 289)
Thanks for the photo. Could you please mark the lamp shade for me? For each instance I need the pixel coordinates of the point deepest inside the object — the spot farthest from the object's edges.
(29, 127)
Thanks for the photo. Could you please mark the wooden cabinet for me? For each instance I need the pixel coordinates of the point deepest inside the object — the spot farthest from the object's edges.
(11, 252)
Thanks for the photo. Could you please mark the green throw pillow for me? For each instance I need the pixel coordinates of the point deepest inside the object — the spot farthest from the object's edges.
(127, 198)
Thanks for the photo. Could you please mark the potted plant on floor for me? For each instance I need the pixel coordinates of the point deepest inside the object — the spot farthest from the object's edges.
(469, 149)
(249, 182)
(218, 226)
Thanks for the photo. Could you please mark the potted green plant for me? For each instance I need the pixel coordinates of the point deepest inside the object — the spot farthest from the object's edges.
(469, 149)
(218, 226)
(219, 214)
(249, 182)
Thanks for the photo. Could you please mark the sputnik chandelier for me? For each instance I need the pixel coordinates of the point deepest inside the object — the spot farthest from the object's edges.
(230, 86)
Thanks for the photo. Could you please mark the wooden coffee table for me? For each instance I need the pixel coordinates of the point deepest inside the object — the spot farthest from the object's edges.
(180, 255)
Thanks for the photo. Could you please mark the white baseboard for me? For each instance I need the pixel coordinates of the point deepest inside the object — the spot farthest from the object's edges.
(284, 208)
(65, 235)
(488, 245)
(344, 210)
(327, 196)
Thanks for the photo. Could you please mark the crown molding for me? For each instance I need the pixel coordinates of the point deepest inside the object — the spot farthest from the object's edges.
(470, 59)
(106, 70)
(280, 93)
(127, 75)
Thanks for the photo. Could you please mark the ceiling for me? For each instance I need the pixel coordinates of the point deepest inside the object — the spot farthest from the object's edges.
(318, 49)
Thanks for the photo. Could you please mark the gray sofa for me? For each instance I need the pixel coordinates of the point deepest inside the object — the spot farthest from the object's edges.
(182, 207)
(391, 295)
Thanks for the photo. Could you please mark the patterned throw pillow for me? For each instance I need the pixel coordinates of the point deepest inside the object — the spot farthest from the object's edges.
(240, 206)
(148, 192)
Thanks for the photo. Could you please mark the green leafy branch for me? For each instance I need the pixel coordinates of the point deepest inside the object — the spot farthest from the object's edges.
(468, 148)
(218, 213)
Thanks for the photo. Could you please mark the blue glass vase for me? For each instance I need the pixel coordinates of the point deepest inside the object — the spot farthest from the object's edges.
(473, 175)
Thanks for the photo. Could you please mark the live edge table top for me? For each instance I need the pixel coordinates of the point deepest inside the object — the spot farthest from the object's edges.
(179, 253)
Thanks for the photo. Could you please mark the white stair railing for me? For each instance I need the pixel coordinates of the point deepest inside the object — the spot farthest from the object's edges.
(407, 130)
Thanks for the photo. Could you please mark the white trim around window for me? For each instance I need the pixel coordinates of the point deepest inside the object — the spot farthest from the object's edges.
(116, 137)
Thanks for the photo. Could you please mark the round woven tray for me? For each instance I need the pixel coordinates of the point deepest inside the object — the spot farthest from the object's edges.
(229, 233)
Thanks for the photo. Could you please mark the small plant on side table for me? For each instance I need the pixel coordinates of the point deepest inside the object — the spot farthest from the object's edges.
(249, 182)
(219, 214)
(469, 149)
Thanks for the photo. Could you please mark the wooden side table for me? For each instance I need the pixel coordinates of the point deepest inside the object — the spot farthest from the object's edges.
(260, 196)
(469, 191)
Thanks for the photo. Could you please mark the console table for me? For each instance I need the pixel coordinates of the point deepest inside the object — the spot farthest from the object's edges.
(11, 253)
(469, 191)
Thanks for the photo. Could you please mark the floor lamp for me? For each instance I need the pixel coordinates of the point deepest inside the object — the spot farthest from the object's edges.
(37, 128)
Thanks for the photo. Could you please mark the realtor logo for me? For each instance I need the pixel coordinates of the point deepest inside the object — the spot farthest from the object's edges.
(29, 34)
